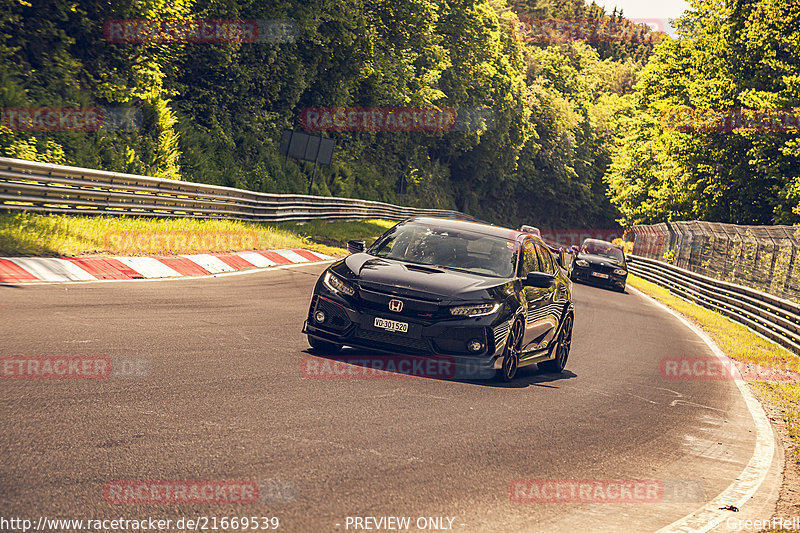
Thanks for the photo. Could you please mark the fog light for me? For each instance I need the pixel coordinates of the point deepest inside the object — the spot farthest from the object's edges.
(475, 345)
(320, 317)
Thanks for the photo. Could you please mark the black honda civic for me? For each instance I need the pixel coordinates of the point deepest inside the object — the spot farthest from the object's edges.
(490, 299)
(602, 263)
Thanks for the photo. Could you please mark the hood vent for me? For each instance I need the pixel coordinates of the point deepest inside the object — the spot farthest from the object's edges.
(425, 269)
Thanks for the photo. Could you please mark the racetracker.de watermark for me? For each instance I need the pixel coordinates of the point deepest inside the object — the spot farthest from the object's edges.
(149, 523)
(73, 367)
(686, 120)
(422, 119)
(587, 30)
(392, 367)
(605, 491)
(175, 492)
(149, 241)
(714, 369)
(70, 119)
(200, 31)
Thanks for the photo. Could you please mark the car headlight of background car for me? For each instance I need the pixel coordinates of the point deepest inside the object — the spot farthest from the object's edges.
(334, 283)
(475, 310)
(582, 262)
(620, 272)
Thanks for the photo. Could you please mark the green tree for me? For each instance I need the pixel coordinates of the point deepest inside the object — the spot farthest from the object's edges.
(739, 54)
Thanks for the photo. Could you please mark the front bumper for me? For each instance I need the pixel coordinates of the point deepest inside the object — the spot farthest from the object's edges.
(446, 340)
(587, 275)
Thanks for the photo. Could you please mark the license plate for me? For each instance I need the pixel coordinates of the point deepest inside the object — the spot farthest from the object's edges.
(391, 325)
(600, 275)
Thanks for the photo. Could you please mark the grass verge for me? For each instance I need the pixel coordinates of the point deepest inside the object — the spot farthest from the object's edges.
(780, 399)
(738, 342)
(338, 233)
(32, 234)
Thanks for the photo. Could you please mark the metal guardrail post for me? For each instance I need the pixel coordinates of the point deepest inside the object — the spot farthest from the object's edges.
(793, 255)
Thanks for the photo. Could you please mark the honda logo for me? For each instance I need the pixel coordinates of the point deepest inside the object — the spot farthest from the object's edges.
(395, 305)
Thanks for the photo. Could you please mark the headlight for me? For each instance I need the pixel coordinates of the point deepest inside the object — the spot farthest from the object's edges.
(620, 272)
(582, 262)
(335, 284)
(474, 310)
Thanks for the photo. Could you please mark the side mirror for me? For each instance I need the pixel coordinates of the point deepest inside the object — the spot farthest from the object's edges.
(539, 279)
(355, 247)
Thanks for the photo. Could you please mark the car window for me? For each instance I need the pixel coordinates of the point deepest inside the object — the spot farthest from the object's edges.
(602, 248)
(449, 248)
(530, 259)
(546, 260)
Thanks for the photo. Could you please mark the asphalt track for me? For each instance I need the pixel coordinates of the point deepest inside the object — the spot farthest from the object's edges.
(224, 398)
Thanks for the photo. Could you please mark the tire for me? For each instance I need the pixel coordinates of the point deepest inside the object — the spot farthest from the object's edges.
(511, 353)
(563, 345)
(323, 347)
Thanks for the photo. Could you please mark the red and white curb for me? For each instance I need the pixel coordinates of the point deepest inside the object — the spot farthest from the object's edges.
(32, 269)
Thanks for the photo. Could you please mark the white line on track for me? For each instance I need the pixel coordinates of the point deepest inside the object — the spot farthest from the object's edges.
(749, 481)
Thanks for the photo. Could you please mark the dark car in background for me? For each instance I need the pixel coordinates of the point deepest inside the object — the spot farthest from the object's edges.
(601, 263)
(488, 297)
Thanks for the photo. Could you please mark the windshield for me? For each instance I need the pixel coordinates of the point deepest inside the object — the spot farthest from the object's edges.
(450, 249)
(602, 248)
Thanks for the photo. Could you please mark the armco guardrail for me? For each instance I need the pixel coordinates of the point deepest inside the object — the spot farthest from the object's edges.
(32, 186)
(766, 258)
(773, 317)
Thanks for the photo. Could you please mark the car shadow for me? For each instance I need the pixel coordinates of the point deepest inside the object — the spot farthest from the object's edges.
(378, 365)
(600, 287)
(529, 376)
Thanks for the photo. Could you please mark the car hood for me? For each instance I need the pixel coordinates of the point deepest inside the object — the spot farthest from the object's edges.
(425, 281)
(597, 259)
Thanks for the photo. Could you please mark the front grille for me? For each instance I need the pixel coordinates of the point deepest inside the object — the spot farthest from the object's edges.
(607, 269)
(390, 339)
(337, 316)
(378, 302)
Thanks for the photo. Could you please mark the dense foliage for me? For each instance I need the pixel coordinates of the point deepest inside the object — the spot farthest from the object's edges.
(731, 55)
(214, 113)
